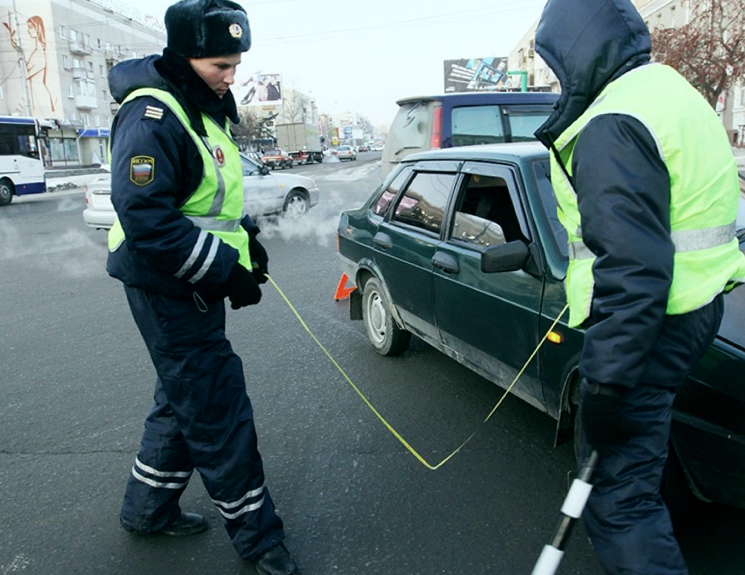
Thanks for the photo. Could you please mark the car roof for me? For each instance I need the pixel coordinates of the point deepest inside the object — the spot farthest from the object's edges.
(483, 96)
(504, 152)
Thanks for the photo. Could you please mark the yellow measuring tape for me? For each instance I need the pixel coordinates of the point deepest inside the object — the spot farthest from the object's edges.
(388, 426)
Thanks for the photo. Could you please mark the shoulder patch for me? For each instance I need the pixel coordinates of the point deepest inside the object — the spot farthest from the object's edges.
(141, 170)
(153, 113)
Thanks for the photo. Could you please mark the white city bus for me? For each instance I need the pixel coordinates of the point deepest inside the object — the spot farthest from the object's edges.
(21, 158)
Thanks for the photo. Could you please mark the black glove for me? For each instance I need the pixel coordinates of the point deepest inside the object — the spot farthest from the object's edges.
(603, 419)
(259, 260)
(242, 288)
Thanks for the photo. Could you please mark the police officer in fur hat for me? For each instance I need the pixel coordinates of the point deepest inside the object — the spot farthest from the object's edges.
(181, 244)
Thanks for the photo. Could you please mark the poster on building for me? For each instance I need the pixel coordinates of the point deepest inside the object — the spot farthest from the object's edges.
(475, 74)
(260, 90)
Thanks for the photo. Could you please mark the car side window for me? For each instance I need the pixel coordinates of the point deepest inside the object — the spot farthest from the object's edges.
(380, 208)
(485, 215)
(423, 203)
(248, 167)
(477, 125)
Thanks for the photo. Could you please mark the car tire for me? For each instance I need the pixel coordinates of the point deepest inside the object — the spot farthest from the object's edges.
(296, 205)
(384, 335)
(6, 192)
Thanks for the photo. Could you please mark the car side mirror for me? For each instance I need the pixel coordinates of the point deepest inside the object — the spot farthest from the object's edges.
(263, 170)
(508, 257)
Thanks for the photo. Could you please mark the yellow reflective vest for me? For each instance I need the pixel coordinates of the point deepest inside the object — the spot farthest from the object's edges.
(216, 206)
(703, 181)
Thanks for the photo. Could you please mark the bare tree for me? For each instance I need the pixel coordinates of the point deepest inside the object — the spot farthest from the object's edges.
(252, 128)
(709, 51)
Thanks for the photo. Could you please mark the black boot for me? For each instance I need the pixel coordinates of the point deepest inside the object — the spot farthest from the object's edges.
(277, 561)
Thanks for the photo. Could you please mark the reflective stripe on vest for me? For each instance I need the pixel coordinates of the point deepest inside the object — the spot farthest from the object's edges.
(703, 195)
(216, 206)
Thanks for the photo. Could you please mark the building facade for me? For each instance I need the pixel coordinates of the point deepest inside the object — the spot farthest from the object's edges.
(54, 67)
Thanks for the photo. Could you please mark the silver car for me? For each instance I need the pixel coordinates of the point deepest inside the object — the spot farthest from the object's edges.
(264, 194)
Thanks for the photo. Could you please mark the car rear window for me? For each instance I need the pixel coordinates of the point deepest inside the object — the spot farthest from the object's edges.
(525, 120)
(476, 125)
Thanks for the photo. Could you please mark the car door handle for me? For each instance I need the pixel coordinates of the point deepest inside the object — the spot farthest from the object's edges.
(383, 240)
(445, 262)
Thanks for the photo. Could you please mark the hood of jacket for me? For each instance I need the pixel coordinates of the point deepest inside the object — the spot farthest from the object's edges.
(174, 74)
(587, 44)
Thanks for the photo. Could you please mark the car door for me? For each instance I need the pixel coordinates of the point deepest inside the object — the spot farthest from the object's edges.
(408, 238)
(490, 319)
(261, 193)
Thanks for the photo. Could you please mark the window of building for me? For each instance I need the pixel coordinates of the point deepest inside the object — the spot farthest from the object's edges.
(98, 43)
(73, 35)
(65, 62)
(90, 66)
(101, 70)
(70, 91)
(61, 30)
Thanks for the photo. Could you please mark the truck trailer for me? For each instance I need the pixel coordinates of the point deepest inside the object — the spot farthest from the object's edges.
(301, 141)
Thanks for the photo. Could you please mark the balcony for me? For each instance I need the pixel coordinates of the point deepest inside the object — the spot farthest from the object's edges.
(86, 102)
(80, 49)
(79, 73)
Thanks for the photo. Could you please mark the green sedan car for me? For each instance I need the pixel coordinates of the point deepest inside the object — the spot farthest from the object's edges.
(463, 248)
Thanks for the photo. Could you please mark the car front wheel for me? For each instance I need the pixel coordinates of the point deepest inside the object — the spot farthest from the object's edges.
(6, 192)
(296, 205)
(386, 337)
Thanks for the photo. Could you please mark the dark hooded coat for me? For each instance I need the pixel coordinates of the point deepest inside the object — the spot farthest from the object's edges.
(622, 184)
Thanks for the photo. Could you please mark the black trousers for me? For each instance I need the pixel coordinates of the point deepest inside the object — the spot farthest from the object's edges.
(626, 518)
(202, 419)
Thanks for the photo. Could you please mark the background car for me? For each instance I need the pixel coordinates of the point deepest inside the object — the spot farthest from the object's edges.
(276, 158)
(345, 153)
(463, 248)
(267, 194)
(98, 212)
(462, 119)
(264, 194)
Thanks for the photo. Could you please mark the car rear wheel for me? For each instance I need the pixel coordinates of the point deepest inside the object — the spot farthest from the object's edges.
(385, 336)
(6, 192)
(296, 205)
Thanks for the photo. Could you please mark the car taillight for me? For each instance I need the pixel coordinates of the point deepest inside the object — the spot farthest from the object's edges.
(434, 140)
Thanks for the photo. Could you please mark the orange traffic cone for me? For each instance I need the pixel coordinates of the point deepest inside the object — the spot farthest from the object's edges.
(342, 292)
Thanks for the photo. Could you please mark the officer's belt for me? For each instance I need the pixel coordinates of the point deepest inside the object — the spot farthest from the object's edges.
(684, 241)
(209, 224)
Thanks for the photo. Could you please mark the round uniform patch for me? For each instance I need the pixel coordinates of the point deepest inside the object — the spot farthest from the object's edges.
(219, 156)
(141, 170)
(235, 30)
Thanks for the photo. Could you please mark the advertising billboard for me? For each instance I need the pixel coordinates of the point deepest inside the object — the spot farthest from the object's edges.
(261, 90)
(475, 74)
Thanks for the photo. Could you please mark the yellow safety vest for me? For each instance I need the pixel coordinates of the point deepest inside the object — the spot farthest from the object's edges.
(216, 206)
(704, 188)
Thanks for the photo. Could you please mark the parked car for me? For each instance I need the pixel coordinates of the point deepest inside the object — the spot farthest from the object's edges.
(346, 153)
(463, 248)
(98, 212)
(265, 194)
(462, 119)
(276, 158)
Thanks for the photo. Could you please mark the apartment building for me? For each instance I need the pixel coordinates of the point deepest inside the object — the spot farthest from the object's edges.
(54, 63)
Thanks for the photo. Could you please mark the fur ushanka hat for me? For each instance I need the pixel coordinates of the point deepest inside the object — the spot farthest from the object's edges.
(207, 28)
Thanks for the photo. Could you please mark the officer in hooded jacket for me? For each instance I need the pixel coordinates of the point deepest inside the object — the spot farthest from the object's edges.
(647, 191)
(181, 244)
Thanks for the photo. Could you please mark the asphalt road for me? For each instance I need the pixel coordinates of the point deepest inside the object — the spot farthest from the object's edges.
(77, 384)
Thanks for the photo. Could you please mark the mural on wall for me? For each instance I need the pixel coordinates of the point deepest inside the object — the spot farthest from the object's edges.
(42, 103)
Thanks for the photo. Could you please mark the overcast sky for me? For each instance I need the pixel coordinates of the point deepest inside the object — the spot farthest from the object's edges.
(362, 56)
